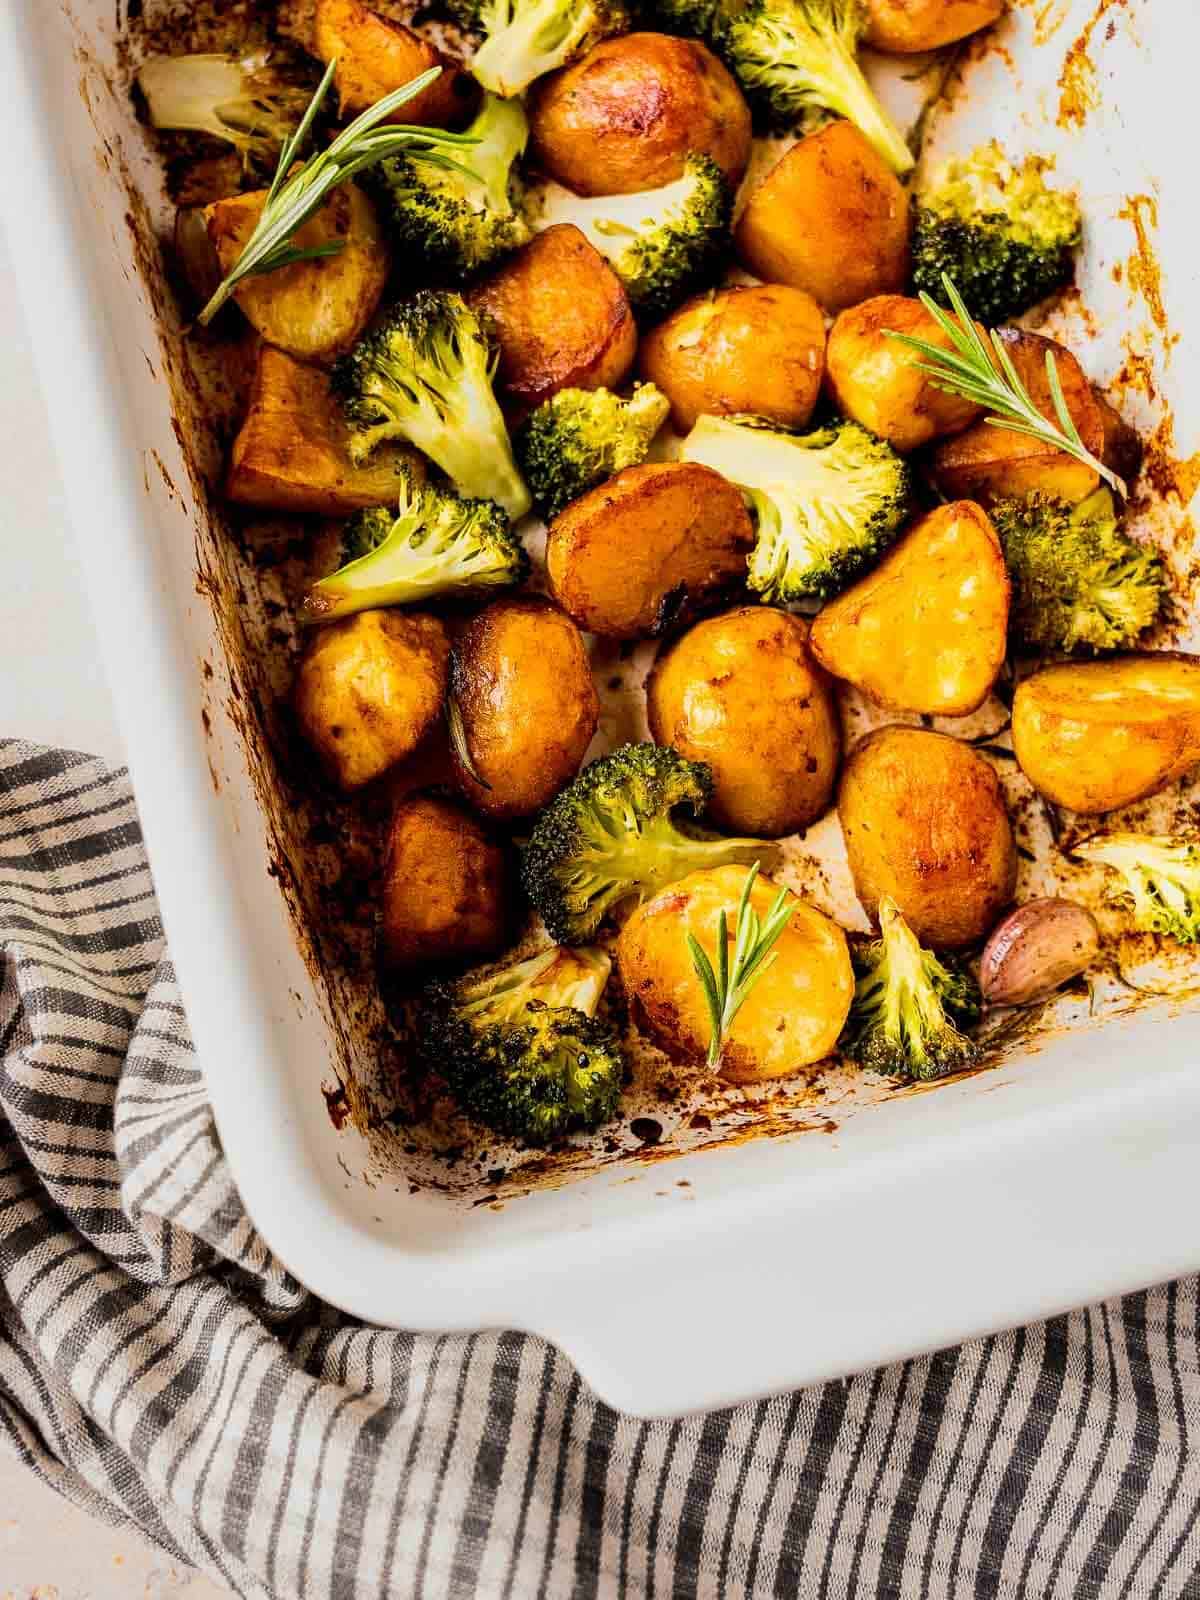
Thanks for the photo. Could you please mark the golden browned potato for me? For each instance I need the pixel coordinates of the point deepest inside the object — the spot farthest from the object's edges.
(927, 630)
(626, 116)
(647, 549)
(791, 1017)
(368, 689)
(1096, 735)
(989, 463)
(878, 381)
(313, 309)
(561, 318)
(832, 218)
(374, 57)
(446, 889)
(290, 453)
(755, 348)
(529, 706)
(743, 693)
(905, 27)
(924, 821)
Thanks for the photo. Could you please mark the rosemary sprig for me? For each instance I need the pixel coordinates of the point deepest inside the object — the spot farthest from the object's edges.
(981, 370)
(295, 197)
(753, 952)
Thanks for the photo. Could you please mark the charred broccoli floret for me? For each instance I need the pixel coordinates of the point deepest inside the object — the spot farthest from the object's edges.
(826, 503)
(581, 436)
(255, 102)
(457, 221)
(523, 39)
(695, 17)
(425, 374)
(520, 1045)
(797, 56)
(909, 1007)
(1160, 879)
(1079, 582)
(998, 230)
(435, 543)
(612, 834)
(662, 243)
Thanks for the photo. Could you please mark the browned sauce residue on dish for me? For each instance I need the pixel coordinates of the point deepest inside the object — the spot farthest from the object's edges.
(1079, 83)
(337, 1103)
(1048, 18)
(1144, 272)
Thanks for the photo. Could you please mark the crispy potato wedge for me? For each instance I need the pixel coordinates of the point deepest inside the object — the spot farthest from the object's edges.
(924, 821)
(877, 381)
(648, 549)
(757, 348)
(904, 27)
(290, 453)
(374, 57)
(625, 117)
(1097, 735)
(561, 318)
(446, 888)
(743, 693)
(792, 1016)
(927, 630)
(313, 309)
(989, 463)
(529, 707)
(832, 218)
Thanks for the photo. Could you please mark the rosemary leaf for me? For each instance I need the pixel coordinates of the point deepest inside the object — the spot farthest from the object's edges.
(726, 988)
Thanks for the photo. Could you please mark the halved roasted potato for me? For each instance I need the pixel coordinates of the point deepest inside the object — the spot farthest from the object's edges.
(927, 630)
(446, 888)
(290, 453)
(906, 27)
(990, 463)
(791, 1017)
(924, 821)
(743, 693)
(1096, 735)
(313, 309)
(648, 549)
(755, 348)
(375, 56)
(561, 319)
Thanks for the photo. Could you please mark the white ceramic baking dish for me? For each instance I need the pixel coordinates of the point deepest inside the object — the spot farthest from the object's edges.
(758, 1263)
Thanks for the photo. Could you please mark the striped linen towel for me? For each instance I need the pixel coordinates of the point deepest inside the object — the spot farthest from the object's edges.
(160, 1368)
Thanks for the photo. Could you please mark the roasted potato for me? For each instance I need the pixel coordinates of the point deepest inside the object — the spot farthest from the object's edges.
(368, 690)
(927, 630)
(989, 463)
(446, 893)
(561, 318)
(1096, 735)
(905, 27)
(529, 707)
(759, 349)
(290, 453)
(625, 117)
(374, 57)
(878, 382)
(791, 1017)
(924, 821)
(832, 218)
(648, 549)
(743, 693)
(313, 309)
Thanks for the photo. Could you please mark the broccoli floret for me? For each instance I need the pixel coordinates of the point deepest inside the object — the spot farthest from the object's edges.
(521, 1048)
(909, 1006)
(456, 221)
(1160, 879)
(1005, 238)
(827, 503)
(251, 101)
(425, 374)
(695, 17)
(662, 243)
(1079, 582)
(581, 436)
(436, 543)
(611, 835)
(797, 56)
(523, 39)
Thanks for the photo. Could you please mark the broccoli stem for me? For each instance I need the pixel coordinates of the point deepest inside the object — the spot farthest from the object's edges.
(855, 99)
(533, 43)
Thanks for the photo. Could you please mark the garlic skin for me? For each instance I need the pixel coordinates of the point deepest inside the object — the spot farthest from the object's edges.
(1035, 950)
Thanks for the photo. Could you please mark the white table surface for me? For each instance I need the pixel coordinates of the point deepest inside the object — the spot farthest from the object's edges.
(52, 691)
